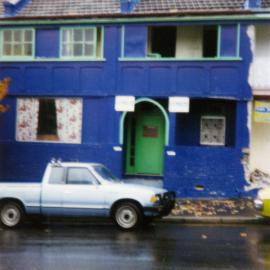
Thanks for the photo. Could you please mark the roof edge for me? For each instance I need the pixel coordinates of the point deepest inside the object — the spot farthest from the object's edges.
(194, 13)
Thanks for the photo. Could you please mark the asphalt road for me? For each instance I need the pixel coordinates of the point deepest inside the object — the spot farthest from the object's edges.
(161, 246)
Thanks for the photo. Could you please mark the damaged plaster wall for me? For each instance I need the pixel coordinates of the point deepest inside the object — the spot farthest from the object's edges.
(259, 72)
(259, 79)
(260, 147)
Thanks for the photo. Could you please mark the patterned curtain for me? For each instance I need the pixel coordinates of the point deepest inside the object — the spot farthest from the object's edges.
(69, 119)
(27, 119)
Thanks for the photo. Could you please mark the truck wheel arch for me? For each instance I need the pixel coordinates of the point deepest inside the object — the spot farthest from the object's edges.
(15, 200)
(127, 214)
(121, 201)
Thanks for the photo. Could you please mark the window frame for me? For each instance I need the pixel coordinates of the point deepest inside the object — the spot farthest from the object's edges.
(63, 182)
(218, 57)
(18, 57)
(95, 44)
(47, 141)
(221, 117)
(95, 183)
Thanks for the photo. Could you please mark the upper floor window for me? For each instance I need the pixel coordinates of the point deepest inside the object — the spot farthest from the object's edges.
(81, 42)
(183, 42)
(17, 42)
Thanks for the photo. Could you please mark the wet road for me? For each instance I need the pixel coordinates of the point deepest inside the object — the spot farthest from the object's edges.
(161, 246)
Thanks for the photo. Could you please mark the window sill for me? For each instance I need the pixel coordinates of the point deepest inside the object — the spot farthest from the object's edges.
(16, 58)
(53, 138)
(147, 59)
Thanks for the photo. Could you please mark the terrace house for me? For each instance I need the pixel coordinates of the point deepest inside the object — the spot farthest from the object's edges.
(153, 89)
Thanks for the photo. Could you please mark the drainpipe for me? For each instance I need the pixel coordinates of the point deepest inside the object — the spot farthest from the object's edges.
(127, 6)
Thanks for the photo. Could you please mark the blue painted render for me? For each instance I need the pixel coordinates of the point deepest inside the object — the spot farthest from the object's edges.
(13, 9)
(47, 43)
(128, 6)
(250, 4)
(217, 169)
(135, 37)
(228, 37)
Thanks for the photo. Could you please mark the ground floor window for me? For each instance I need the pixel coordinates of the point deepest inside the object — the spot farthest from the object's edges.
(49, 119)
(209, 122)
(212, 130)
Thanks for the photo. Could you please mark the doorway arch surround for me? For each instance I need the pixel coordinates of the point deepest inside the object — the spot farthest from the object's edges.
(157, 104)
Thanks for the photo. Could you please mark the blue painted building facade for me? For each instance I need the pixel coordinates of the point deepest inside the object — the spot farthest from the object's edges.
(216, 87)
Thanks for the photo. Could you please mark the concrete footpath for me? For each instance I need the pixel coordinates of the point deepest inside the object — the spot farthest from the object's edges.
(239, 211)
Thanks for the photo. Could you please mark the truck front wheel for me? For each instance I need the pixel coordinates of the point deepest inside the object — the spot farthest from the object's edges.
(127, 216)
(11, 214)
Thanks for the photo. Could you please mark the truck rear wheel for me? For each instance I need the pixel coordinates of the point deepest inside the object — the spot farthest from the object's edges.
(11, 214)
(127, 216)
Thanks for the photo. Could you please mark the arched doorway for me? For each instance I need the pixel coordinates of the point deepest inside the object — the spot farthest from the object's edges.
(145, 136)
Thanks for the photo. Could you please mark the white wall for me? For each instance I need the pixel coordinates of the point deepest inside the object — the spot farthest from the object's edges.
(260, 147)
(259, 79)
(259, 73)
(189, 42)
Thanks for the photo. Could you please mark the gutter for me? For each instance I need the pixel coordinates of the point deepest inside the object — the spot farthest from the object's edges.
(136, 18)
(169, 13)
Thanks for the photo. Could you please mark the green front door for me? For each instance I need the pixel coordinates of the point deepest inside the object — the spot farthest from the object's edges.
(145, 141)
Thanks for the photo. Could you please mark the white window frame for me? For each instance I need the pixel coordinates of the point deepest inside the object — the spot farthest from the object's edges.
(21, 42)
(83, 42)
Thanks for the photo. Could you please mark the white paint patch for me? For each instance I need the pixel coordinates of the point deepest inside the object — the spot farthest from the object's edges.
(171, 153)
(264, 194)
(117, 148)
(13, 2)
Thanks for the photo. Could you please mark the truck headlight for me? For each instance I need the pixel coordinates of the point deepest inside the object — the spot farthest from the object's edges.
(155, 198)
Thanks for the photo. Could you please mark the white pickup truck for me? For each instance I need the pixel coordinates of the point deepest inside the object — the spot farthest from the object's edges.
(83, 189)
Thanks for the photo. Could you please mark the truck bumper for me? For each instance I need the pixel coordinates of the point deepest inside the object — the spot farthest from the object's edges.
(163, 208)
(258, 205)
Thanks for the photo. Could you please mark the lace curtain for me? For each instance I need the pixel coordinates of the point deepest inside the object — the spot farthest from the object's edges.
(27, 119)
(68, 115)
(69, 119)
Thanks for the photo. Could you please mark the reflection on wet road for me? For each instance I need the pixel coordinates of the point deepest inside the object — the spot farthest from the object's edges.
(161, 246)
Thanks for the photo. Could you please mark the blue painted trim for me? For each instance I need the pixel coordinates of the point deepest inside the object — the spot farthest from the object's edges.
(127, 6)
(11, 10)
